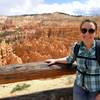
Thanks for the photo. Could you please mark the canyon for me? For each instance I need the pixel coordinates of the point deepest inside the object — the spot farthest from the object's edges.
(37, 37)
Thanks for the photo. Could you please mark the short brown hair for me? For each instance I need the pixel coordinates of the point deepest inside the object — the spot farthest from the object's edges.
(88, 20)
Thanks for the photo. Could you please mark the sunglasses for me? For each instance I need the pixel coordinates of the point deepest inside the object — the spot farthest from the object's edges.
(84, 30)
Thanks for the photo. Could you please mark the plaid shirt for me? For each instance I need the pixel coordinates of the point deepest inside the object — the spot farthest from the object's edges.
(91, 83)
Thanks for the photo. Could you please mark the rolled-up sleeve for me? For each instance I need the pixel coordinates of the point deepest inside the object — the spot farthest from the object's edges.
(71, 58)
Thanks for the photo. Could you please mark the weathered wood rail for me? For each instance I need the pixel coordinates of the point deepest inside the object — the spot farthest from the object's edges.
(30, 71)
(37, 70)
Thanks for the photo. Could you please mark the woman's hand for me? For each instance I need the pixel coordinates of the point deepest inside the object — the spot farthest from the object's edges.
(50, 61)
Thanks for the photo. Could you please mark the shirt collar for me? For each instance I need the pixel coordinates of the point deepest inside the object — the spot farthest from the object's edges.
(83, 45)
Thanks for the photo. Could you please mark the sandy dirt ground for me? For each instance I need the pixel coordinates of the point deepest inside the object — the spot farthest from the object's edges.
(36, 86)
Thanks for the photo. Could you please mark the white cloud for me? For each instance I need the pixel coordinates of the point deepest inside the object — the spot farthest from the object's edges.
(90, 7)
(22, 8)
(18, 7)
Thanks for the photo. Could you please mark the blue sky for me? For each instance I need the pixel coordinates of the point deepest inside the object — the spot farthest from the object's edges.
(72, 7)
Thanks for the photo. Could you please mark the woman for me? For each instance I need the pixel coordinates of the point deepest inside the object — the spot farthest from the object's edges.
(85, 86)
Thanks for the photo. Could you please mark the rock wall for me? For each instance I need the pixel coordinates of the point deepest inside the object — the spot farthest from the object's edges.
(7, 55)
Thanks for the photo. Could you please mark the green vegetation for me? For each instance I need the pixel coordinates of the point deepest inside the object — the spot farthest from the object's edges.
(20, 87)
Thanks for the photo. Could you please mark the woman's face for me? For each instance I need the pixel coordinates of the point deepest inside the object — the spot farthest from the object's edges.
(88, 32)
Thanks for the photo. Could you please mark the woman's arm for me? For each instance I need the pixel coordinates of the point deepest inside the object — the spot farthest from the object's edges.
(68, 59)
(53, 61)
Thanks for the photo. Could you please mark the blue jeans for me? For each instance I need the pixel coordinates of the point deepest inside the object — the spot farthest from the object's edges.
(81, 94)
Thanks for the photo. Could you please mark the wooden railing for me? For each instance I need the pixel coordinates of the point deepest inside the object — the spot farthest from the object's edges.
(30, 71)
